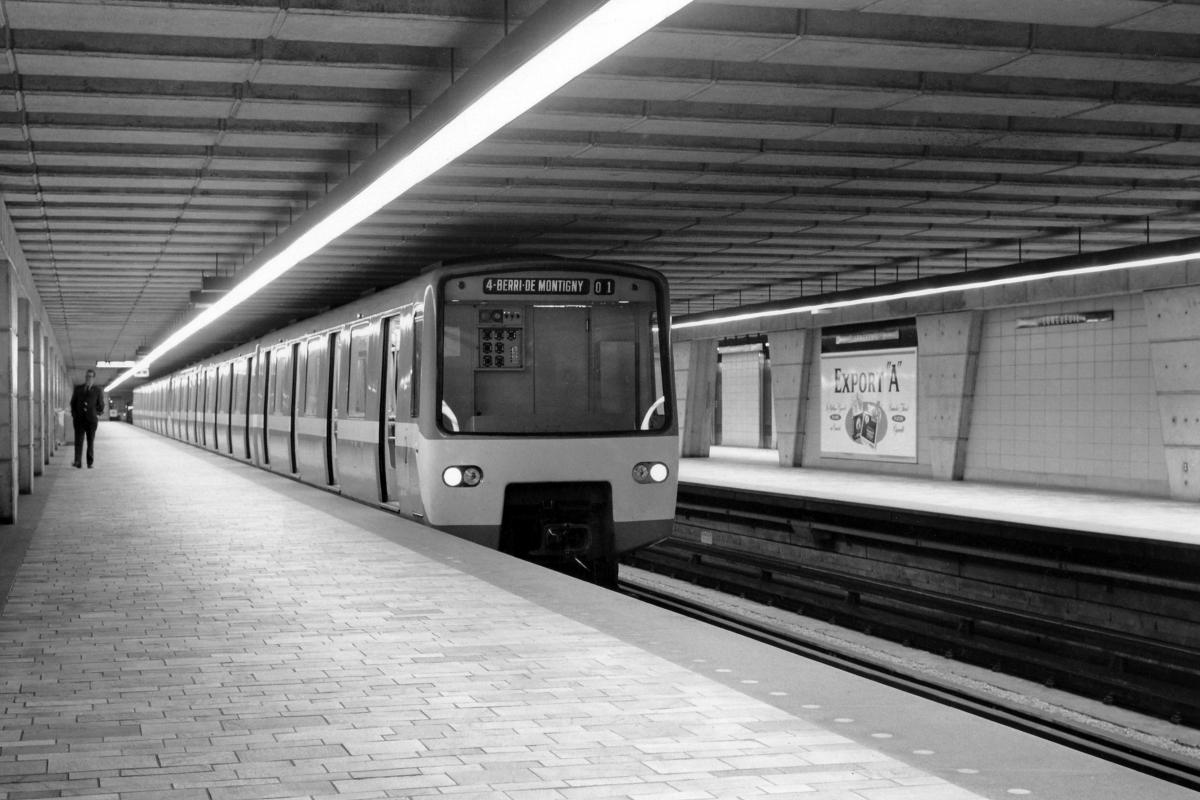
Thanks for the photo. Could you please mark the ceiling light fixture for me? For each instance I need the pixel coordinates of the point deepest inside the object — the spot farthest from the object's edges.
(596, 36)
(1124, 258)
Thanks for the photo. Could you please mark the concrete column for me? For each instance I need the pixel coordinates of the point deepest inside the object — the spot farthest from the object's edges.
(41, 403)
(1173, 323)
(947, 360)
(58, 404)
(24, 397)
(680, 353)
(695, 436)
(8, 394)
(53, 436)
(791, 365)
(64, 406)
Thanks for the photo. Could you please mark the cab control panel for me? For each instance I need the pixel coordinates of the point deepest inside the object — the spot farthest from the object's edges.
(501, 334)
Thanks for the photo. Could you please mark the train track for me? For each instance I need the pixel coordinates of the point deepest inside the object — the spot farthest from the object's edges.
(1128, 752)
(1106, 618)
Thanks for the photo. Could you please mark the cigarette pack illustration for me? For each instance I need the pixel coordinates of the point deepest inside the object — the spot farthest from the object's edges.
(866, 422)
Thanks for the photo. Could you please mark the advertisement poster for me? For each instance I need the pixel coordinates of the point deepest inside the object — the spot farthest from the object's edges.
(869, 393)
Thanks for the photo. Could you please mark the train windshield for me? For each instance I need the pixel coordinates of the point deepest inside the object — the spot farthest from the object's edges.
(552, 354)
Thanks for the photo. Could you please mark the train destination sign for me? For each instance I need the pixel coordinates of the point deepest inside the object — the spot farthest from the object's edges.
(544, 285)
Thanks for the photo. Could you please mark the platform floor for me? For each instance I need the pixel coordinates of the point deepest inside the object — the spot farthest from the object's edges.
(186, 627)
(1095, 512)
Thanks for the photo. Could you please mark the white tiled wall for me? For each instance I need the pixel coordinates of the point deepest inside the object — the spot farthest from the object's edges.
(1070, 405)
(741, 399)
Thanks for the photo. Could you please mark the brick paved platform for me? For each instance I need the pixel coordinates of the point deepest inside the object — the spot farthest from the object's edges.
(187, 627)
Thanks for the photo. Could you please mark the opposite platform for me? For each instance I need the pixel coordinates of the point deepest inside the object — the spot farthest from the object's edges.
(187, 627)
(1095, 512)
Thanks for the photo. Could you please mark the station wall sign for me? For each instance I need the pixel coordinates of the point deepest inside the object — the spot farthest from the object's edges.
(869, 391)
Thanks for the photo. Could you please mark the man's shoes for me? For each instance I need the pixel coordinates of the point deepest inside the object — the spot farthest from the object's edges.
(76, 464)
(89, 466)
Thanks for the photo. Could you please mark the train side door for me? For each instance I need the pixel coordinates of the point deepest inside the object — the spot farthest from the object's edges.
(170, 406)
(212, 413)
(194, 401)
(224, 406)
(402, 486)
(357, 427)
(265, 386)
(333, 407)
(208, 414)
(255, 408)
(189, 415)
(281, 418)
(202, 382)
(287, 402)
(387, 417)
(183, 385)
(239, 428)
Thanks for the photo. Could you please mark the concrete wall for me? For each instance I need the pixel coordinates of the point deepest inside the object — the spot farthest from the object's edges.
(1070, 405)
(1111, 405)
(33, 377)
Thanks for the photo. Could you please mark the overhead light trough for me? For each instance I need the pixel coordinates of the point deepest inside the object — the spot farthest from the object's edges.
(581, 34)
(1129, 258)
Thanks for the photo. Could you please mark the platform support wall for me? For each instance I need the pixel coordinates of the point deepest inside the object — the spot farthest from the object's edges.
(1173, 322)
(24, 397)
(946, 365)
(8, 394)
(696, 390)
(791, 363)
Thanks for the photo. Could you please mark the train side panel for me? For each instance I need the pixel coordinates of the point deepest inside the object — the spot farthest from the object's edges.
(281, 391)
(359, 465)
(311, 403)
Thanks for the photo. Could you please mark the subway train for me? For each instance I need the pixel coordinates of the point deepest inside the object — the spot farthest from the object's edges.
(526, 404)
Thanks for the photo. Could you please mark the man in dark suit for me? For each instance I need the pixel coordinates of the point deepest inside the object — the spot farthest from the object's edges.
(87, 404)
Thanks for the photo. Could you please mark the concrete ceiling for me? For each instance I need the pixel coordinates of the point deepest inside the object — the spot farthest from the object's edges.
(753, 150)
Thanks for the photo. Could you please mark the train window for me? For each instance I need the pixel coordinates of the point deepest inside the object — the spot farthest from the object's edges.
(283, 362)
(313, 388)
(301, 384)
(399, 364)
(223, 389)
(356, 398)
(272, 380)
(418, 325)
(656, 416)
(530, 366)
(241, 385)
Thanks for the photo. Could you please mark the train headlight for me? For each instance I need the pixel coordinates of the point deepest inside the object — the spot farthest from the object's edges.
(650, 472)
(462, 476)
(472, 476)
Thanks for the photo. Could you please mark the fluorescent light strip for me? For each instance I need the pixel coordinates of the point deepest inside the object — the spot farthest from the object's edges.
(818, 308)
(605, 31)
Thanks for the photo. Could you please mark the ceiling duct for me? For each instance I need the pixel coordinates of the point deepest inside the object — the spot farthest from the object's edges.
(212, 289)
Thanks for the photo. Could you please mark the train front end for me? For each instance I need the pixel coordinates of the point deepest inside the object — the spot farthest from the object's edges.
(555, 437)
